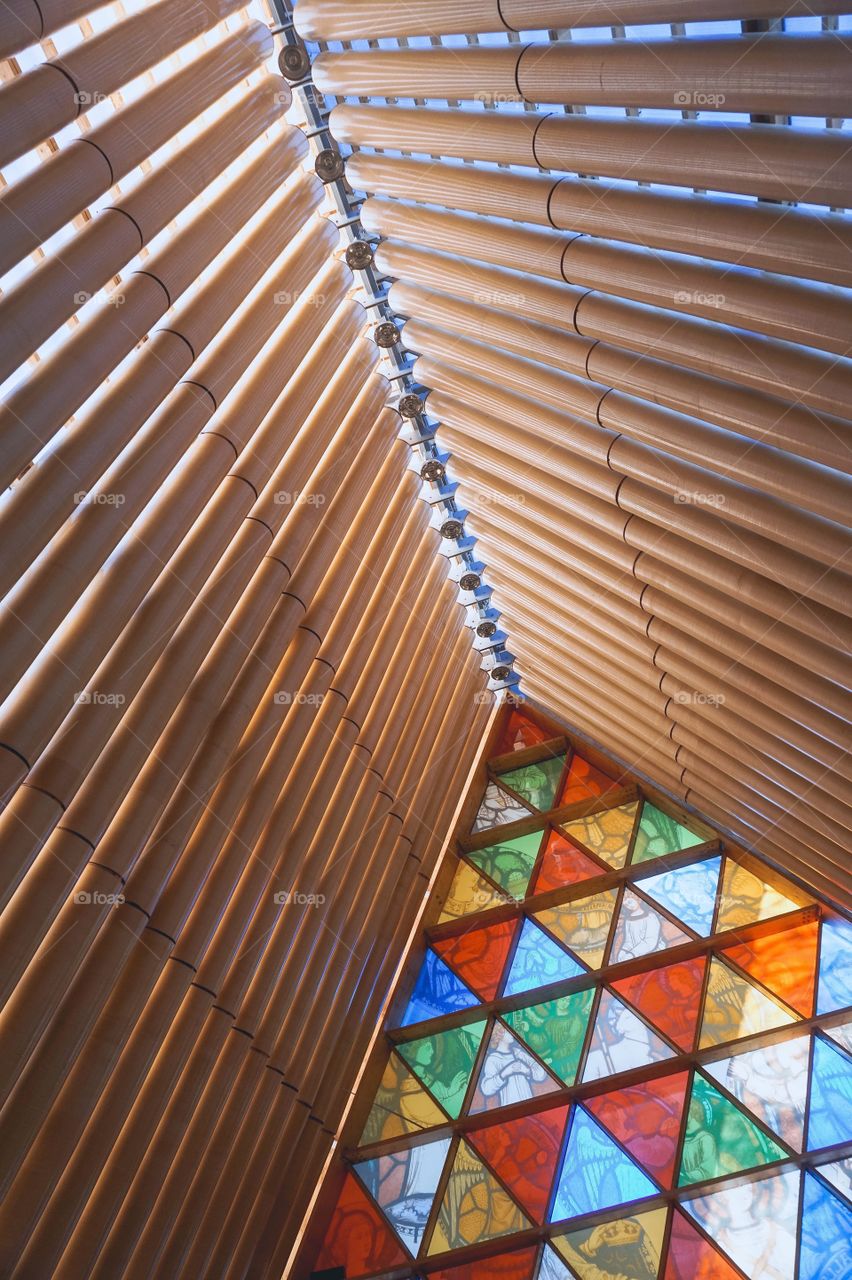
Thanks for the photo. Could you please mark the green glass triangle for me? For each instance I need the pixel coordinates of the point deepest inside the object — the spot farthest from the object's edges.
(510, 863)
(555, 1030)
(720, 1138)
(659, 833)
(537, 783)
(443, 1063)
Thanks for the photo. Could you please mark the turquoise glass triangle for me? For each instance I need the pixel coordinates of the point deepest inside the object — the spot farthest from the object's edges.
(596, 1173)
(830, 1117)
(437, 991)
(835, 966)
(826, 1248)
(687, 892)
(538, 960)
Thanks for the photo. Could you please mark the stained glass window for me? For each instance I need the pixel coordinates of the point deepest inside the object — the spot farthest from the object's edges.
(625, 1050)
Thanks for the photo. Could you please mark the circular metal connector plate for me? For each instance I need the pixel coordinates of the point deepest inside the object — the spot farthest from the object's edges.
(359, 255)
(433, 471)
(387, 334)
(469, 581)
(486, 630)
(452, 529)
(500, 673)
(294, 63)
(410, 405)
(328, 165)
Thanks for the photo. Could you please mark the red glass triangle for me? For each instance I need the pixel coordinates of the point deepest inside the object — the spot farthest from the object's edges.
(521, 732)
(646, 1120)
(584, 782)
(784, 962)
(563, 863)
(692, 1258)
(479, 955)
(524, 1153)
(508, 1266)
(670, 998)
(358, 1238)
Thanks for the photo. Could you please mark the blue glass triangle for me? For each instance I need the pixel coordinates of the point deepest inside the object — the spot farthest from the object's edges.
(437, 991)
(830, 1117)
(552, 1267)
(403, 1184)
(826, 1248)
(835, 966)
(537, 961)
(596, 1173)
(687, 892)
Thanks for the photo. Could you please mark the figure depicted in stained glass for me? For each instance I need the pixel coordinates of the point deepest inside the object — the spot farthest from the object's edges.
(509, 863)
(403, 1184)
(444, 1062)
(613, 1251)
(509, 1074)
(537, 783)
(621, 1041)
(498, 808)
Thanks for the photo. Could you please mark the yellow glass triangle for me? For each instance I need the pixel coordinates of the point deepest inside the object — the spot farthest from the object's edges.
(746, 898)
(606, 833)
(734, 1007)
(475, 1206)
(401, 1106)
(583, 925)
(469, 892)
(631, 1245)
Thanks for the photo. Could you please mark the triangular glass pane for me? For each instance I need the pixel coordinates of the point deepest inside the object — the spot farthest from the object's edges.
(659, 834)
(469, 892)
(755, 1224)
(524, 1153)
(688, 893)
(443, 1063)
(613, 1250)
(358, 1238)
(830, 1115)
(772, 1083)
(690, 1257)
(437, 991)
(645, 1118)
(552, 1267)
(563, 863)
(403, 1185)
(478, 955)
(498, 808)
(826, 1248)
(475, 1207)
(720, 1138)
(641, 930)
(556, 1030)
(509, 1073)
(621, 1041)
(835, 966)
(746, 898)
(536, 783)
(537, 961)
(669, 998)
(583, 925)
(841, 1034)
(607, 833)
(401, 1106)
(784, 962)
(839, 1174)
(517, 1265)
(596, 1174)
(585, 782)
(520, 731)
(509, 863)
(734, 1008)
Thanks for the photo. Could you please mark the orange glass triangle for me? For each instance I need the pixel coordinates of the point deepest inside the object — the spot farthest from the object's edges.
(670, 998)
(584, 782)
(692, 1258)
(563, 863)
(508, 1266)
(524, 1153)
(646, 1120)
(521, 732)
(358, 1238)
(784, 962)
(478, 956)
